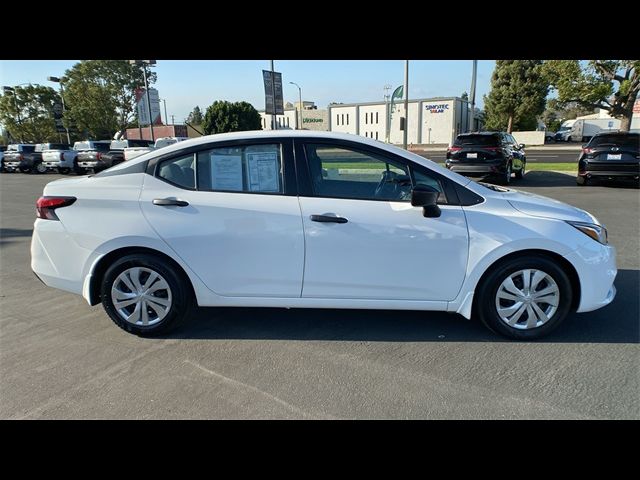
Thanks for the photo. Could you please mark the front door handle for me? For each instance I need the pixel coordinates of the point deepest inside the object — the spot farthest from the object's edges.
(170, 202)
(328, 219)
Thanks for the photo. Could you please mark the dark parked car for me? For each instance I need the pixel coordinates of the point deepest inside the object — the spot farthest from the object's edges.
(610, 155)
(487, 154)
(115, 155)
(14, 156)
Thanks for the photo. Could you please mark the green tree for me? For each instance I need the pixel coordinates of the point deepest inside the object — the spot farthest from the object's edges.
(100, 96)
(27, 113)
(517, 96)
(195, 117)
(611, 85)
(223, 116)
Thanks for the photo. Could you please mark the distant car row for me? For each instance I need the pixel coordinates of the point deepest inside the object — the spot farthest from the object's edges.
(96, 155)
(583, 129)
(608, 155)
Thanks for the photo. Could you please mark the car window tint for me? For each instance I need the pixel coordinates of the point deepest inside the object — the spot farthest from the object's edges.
(479, 140)
(430, 181)
(344, 173)
(179, 171)
(626, 141)
(249, 169)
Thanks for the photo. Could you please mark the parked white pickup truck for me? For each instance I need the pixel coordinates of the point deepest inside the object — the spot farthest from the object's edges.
(60, 159)
(133, 152)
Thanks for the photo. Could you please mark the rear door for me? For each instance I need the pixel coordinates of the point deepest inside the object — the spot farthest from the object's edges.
(230, 211)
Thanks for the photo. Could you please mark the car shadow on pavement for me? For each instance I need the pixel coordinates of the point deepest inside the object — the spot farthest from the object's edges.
(11, 234)
(616, 323)
(542, 178)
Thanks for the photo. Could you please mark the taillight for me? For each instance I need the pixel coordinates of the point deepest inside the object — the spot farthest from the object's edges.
(20, 157)
(45, 206)
(587, 150)
(61, 156)
(98, 155)
(454, 149)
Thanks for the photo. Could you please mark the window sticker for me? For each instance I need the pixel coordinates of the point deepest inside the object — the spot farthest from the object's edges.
(226, 172)
(263, 171)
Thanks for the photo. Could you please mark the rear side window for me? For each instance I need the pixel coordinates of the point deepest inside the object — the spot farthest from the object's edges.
(626, 141)
(102, 147)
(250, 169)
(479, 140)
(179, 171)
(138, 143)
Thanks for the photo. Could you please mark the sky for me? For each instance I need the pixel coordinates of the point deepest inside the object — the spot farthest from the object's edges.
(187, 83)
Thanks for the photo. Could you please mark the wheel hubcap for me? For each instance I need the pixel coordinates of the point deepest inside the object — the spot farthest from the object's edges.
(141, 296)
(527, 299)
(41, 168)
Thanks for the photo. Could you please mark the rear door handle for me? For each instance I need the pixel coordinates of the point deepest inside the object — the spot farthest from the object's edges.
(328, 219)
(170, 202)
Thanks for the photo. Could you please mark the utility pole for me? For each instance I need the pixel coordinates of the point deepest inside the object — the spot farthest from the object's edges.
(166, 118)
(300, 104)
(172, 119)
(473, 96)
(406, 103)
(146, 91)
(387, 97)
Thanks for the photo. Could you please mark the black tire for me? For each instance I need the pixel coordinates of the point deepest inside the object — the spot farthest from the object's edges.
(582, 181)
(79, 170)
(520, 173)
(24, 170)
(485, 300)
(38, 168)
(64, 171)
(505, 178)
(182, 301)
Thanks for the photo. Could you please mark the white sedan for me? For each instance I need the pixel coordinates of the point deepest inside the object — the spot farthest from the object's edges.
(315, 220)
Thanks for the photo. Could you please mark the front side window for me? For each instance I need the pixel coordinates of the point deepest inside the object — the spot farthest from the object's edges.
(250, 169)
(344, 173)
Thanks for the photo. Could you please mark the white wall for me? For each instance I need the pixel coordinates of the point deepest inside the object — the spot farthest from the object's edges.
(439, 116)
(529, 138)
(373, 121)
(397, 135)
(343, 119)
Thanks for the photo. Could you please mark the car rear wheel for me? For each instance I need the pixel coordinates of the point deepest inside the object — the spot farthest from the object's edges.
(524, 298)
(79, 170)
(505, 179)
(582, 181)
(146, 296)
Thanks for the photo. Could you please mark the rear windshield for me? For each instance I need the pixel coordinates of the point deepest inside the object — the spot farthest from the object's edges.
(118, 144)
(82, 146)
(28, 148)
(52, 146)
(480, 140)
(625, 141)
(140, 143)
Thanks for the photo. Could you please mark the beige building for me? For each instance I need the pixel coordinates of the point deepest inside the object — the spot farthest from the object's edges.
(312, 118)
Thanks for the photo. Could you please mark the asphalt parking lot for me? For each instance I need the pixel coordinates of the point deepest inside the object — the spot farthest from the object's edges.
(60, 358)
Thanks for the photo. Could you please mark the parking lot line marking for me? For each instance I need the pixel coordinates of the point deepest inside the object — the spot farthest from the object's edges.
(237, 383)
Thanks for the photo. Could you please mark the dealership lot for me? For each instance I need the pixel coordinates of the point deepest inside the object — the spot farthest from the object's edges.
(60, 358)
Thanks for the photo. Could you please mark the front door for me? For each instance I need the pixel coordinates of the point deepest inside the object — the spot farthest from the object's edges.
(363, 238)
(224, 211)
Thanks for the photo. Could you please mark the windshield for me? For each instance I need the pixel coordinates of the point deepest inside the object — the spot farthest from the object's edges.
(82, 146)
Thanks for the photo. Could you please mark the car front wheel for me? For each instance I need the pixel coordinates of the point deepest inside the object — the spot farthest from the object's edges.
(145, 296)
(524, 298)
(520, 173)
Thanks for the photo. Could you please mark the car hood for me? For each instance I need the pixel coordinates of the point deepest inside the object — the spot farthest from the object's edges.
(539, 206)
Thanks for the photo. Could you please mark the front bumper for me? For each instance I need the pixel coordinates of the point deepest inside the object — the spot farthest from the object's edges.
(596, 267)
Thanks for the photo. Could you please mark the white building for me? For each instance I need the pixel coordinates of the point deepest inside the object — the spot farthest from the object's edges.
(430, 120)
(312, 118)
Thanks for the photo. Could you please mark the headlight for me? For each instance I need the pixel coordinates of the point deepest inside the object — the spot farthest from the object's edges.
(597, 232)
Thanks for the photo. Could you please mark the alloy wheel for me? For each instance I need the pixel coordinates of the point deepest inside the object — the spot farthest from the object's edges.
(141, 296)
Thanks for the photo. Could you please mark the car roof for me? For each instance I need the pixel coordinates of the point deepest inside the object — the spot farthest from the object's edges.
(478, 133)
(615, 133)
(308, 134)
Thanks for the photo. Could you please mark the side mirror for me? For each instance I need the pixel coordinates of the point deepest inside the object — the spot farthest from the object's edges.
(521, 145)
(584, 145)
(427, 198)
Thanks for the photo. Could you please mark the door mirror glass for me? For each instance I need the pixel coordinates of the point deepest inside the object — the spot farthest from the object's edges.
(521, 145)
(426, 197)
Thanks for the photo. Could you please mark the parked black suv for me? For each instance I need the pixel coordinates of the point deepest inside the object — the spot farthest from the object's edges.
(487, 154)
(610, 155)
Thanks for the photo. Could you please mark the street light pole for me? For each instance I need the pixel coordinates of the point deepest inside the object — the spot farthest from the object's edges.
(146, 88)
(300, 103)
(64, 108)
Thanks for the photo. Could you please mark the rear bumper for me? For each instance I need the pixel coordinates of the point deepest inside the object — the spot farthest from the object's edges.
(610, 173)
(596, 268)
(92, 164)
(56, 258)
(477, 168)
